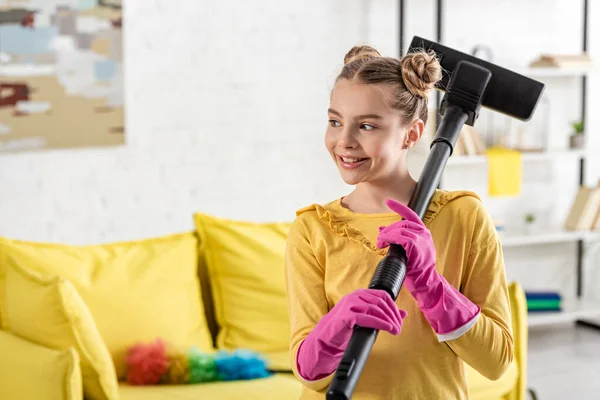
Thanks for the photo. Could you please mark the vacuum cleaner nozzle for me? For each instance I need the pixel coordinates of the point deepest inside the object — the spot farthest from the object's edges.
(507, 92)
(466, 89)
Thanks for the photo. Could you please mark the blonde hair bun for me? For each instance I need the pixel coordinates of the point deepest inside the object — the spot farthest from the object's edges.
(363, 52)
(420, 72)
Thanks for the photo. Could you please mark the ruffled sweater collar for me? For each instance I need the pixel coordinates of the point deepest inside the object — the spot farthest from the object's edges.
(338, 218)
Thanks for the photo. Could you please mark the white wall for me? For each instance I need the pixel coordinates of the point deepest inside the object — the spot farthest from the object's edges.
(226, 111)
(226, 108)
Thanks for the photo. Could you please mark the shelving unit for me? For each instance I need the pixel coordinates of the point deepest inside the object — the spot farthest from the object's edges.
(577, 309)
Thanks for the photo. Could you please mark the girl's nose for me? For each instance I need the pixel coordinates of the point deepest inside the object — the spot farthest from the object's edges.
(347, 139)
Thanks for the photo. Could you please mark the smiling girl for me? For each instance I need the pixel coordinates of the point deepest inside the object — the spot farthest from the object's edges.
(454, 305)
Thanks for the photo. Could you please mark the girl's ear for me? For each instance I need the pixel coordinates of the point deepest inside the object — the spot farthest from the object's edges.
(414, 133)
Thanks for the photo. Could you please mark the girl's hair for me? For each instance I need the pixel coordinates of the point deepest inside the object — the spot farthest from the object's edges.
(412, 77)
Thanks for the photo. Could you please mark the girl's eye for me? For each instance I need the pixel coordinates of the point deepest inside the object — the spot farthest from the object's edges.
(334, 123)
(367, 127)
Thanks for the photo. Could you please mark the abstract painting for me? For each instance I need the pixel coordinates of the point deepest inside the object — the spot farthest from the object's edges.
(61, 74)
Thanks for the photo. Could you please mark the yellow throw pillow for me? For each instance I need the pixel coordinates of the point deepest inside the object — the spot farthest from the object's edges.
(245, 263)
(31, 371)
(47, 310)
(136, 290)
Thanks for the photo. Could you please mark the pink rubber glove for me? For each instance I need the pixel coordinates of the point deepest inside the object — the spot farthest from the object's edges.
(448, 311)
(321, 351)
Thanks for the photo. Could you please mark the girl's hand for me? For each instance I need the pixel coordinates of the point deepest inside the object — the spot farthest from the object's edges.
(448, 311)
(321, 351)
(413, 236)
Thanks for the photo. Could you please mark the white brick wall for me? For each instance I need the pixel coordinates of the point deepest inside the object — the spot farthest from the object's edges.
(226, 111)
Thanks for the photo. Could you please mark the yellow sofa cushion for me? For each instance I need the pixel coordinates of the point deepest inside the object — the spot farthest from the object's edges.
(135, 290)
(520, 328)
(275, 387)
(245, 263)
(47, 310)
(31, 371)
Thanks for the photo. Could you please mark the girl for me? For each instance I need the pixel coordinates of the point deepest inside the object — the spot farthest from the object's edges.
(453, 306)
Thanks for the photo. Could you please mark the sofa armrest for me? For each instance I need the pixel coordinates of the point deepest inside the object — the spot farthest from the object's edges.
(518, 305)
(31, 371)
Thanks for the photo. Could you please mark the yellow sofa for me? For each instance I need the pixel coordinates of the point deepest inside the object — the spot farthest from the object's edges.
(218, 287)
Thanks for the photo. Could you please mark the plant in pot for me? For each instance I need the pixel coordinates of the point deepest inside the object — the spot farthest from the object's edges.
(529, 223)
(576, 138)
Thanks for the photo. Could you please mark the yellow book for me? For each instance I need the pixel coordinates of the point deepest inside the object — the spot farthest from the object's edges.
(505, 171)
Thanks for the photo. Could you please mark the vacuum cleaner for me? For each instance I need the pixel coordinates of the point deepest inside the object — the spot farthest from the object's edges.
(469, 83)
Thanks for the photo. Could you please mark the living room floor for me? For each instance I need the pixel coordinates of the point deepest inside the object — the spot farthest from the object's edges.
(564, 362)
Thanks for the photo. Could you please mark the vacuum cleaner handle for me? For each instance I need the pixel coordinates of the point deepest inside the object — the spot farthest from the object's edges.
(389, 276)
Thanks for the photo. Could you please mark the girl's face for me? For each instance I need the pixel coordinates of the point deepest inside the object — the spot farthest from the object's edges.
(367, 138)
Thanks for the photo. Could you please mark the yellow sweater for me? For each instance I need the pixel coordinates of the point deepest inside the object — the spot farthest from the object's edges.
(332, 251)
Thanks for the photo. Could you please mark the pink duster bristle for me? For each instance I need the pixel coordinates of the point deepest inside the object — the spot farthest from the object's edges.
(147, 363)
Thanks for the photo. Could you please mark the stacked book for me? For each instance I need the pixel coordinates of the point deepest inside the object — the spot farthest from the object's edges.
(543, 301)
(585, 210)
(469, 143)
(562, 60)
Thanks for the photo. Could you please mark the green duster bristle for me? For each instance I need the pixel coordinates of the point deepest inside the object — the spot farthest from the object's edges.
(202, 367)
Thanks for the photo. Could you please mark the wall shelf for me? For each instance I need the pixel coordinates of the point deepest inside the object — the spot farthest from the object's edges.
(545, 237)
(572, 310)
(550, 72)
(526, 157)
